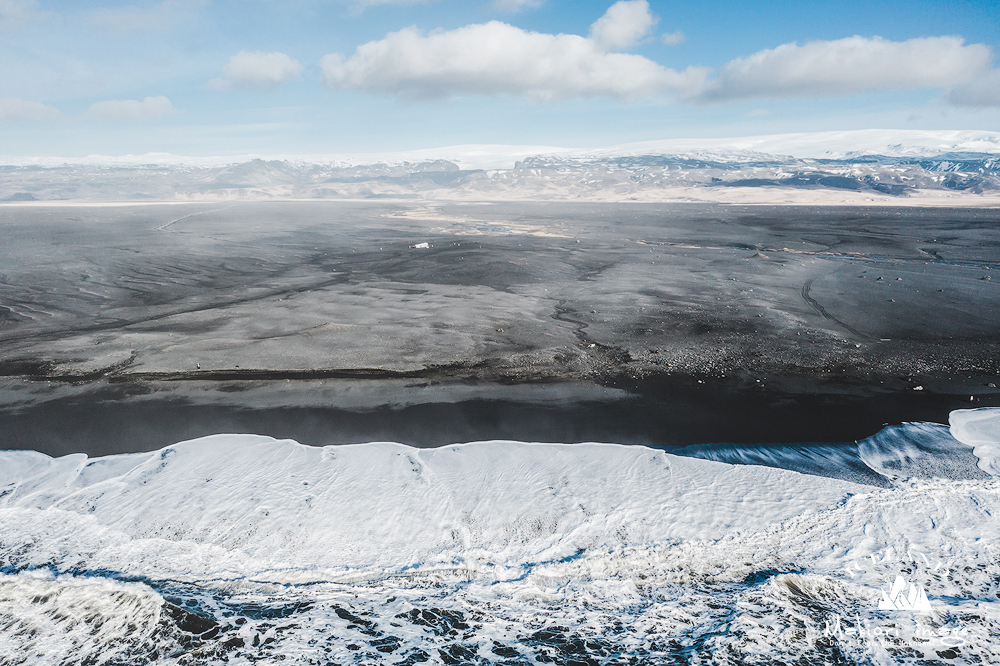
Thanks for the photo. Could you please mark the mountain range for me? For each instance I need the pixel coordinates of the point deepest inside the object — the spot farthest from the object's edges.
(884, 164)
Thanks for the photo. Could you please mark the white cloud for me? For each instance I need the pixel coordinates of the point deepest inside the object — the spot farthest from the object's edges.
(131, 109)
(514, 6)
(674, 38)
(131, 18)
(497, 58)
(359, 6)
(624, 24)
(12, 11)
(19, 109)
(850, 65)
(256, 70)
(982, 90)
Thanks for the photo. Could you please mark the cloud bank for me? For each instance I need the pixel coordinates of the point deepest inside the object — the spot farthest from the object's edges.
(846, 66)
(259, 70)
(19, 109)
(131, 109)
(497, 58)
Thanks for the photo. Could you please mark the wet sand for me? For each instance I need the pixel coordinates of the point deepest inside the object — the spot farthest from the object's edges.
(127, 328)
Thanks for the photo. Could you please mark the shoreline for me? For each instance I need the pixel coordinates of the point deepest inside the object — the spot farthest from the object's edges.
(131, 415)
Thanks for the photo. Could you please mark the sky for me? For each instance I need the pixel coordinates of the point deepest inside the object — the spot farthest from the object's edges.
(299, 77)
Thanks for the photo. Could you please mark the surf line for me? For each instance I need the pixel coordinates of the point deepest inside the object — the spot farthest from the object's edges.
(184, 217)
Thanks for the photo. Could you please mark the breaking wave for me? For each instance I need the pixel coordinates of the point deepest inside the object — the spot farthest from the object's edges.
(246, 549)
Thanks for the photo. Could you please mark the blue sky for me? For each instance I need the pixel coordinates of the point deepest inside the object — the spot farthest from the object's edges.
(225, 77)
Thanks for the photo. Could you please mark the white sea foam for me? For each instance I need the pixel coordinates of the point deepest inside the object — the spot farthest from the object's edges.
(920, 451)
(45, 619)
(366, 510)
(240, 548)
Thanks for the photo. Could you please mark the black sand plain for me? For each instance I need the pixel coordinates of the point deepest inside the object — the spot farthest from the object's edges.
(127, 328)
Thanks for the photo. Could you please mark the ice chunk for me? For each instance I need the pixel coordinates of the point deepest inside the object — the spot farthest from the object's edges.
(980, 429)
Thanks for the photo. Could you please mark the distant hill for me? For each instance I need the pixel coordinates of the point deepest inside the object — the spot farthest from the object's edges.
(878, 163)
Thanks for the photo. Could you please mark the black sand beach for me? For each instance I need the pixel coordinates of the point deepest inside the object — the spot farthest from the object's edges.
(126, 328)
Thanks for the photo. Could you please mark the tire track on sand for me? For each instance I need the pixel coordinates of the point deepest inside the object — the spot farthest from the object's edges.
(163, 226)
(815, 305)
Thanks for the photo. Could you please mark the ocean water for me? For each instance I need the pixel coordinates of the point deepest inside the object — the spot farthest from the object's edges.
(238, 549)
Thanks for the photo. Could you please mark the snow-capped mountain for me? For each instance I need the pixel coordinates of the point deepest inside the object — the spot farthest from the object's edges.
(841, 145)
(896, 163)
